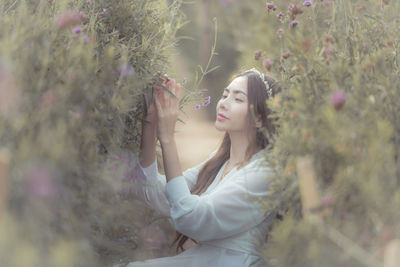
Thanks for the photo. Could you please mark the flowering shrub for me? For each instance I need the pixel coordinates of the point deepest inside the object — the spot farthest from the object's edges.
(72, 79)
(338, 64)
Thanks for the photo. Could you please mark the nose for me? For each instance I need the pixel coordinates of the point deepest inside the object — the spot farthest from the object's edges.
(223, 103)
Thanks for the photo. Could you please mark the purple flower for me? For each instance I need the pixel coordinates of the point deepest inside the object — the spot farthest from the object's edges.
(85, 38)
(280, 32)
(293, 24)
(89, 2)
(184, 80)
(207, 102)
(271, 6)
(198, 107)
(307, 3)
(77, 30)
(267, 63)
(279, 15)
(257, 54)
(338, 99)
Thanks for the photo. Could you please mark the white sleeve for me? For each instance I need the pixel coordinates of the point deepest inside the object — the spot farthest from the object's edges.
(150, 186)
(234, 207)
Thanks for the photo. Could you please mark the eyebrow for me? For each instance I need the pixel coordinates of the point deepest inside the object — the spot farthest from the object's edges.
(236, 91)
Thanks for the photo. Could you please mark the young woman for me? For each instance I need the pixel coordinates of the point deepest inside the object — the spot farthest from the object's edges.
(219, 204)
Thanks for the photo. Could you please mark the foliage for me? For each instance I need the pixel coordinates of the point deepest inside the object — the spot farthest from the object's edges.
(338, 62)
(73, 75)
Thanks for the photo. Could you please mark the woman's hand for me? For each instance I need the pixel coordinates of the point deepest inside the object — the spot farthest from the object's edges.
(167, 106)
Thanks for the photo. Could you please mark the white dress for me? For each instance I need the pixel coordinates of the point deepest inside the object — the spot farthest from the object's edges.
(228, 219)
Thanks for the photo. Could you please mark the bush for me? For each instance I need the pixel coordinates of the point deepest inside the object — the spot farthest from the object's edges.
(338, 62)
(72, 79)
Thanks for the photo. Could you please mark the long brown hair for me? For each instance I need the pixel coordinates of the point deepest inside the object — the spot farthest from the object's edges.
(257, 96)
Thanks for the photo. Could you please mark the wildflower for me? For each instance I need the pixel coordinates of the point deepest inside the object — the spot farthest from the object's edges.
(77, 30)
(293, 24)
(286, 55)
(361, 8)
(279, 15)
(86, 38)
(338, 99)
(207, 102)
(184, 81)
(69, 18)
(257, 55)
(89, 2)
(280, 32)
(267, 63)
(105, 10)
(198, 106)
(294, 10)
(307, 3)
(270, 6)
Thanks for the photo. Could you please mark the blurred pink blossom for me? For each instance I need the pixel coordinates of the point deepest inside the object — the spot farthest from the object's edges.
(293, 24)
(70, 18)
(257, 54)
(338, 99)
(267, 63)
(77, 30)
(270, 6)
(41, 181)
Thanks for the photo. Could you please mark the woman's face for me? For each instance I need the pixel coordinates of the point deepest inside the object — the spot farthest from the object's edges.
(232, 108)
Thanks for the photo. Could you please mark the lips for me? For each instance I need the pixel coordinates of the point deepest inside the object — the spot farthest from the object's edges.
(221, 117)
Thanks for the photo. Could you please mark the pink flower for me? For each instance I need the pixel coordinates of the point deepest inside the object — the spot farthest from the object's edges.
(307, 3)
(257, 54)
(293, 24)
(338, 99)
(267, 63)
(279, 15)
(77, 30)
(70, 18)
(270, 6)
(280, 32)
(89, 2)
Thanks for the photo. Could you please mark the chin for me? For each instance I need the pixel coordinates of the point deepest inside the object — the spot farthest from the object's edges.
(218, 127)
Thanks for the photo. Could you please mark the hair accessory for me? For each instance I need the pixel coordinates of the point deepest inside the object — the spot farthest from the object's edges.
(261, 75)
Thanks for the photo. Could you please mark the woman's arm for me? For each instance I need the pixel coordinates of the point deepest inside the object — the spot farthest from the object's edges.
(149, 133)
